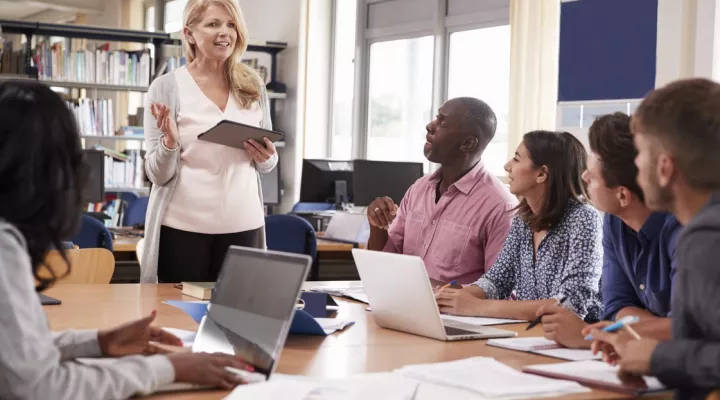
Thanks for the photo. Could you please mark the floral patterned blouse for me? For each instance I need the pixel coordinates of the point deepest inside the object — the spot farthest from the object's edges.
(569, 263)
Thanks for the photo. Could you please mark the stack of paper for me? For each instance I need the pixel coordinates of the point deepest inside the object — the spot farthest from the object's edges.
(599, 374)
(544, 347)
(489, 378)
(384, 386)
(479, 321)
(355, 293)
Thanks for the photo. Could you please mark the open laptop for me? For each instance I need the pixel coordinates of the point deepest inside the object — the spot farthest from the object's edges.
(347, 227)
(402, 298)
(251, 309)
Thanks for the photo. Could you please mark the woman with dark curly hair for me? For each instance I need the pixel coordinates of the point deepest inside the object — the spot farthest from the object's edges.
(42, 174)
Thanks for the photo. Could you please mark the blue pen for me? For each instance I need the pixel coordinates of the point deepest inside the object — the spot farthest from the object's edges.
(619, 324)
(447, 285)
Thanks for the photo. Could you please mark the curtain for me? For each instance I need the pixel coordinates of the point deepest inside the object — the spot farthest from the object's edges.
(534, 53)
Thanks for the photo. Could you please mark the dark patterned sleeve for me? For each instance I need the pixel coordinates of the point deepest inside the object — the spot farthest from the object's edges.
(499, 282)
(580, 281)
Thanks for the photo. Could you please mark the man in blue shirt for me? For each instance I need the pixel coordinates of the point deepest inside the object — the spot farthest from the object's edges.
(638, 244)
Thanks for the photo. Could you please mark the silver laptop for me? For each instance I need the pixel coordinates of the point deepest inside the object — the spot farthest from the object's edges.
(401, 297)
(251, 310)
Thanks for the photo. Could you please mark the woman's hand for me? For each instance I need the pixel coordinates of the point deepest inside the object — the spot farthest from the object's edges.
(166, 124)
(259, 153)
(458, 302)
(134, 338)
(208, 369)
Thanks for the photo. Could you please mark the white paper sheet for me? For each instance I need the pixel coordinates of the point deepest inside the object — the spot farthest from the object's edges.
(331, 325)
(480, 321)
(489, 378)
(542, 346)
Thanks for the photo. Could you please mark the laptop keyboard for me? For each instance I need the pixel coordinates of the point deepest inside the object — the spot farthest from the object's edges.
(452, 331)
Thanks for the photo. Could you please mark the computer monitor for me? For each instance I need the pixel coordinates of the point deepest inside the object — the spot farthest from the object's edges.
(271, 186)
(94, 190)
(373, 179)
(323, 181)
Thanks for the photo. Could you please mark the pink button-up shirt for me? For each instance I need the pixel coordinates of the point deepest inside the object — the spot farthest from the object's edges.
(460, 236)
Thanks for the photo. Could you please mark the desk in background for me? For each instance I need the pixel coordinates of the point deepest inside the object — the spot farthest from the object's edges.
(363, 347)
(335, 259)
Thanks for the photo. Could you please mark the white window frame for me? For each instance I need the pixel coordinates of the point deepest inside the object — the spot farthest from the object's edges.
(441, 28)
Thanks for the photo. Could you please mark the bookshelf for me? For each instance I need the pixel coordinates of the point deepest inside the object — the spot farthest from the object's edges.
(159, 40)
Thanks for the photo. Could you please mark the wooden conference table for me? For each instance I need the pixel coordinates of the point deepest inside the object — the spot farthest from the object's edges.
(362, 347)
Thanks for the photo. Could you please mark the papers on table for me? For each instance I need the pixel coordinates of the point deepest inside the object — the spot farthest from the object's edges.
(384, 386)
(542, 346)
(598, 374)
(489, 378)
(479, 321)
(356, 292)
(330, 325)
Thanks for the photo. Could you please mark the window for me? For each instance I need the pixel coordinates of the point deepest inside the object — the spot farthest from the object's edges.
(173, 16)
(480, 67)
(400, 99)
(343, 79)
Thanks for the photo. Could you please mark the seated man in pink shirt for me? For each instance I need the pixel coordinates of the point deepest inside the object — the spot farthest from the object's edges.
(457, 218)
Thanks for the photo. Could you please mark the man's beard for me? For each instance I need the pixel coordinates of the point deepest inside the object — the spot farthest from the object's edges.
(657, 198)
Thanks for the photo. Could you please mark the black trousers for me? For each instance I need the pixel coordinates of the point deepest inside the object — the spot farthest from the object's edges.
(197, 257)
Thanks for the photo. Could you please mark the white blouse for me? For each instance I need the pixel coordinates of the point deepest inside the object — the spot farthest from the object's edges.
(217, 190)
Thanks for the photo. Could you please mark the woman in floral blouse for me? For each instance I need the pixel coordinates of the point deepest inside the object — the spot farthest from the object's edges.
(553, 251)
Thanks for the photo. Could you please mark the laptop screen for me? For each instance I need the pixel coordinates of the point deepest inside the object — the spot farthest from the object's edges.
(252, 306)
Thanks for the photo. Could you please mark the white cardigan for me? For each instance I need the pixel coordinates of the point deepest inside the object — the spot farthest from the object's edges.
(162, 168)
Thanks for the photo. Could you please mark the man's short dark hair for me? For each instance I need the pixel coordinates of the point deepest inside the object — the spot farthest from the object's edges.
(612, 142)
(685, 118)
(479, 119)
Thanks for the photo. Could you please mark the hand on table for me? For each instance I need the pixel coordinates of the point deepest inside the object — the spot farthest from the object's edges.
(563, 326)
(134, 338)
(381, 212)
(457, 302)
(632, 355)
(259, 153)
(208, 369)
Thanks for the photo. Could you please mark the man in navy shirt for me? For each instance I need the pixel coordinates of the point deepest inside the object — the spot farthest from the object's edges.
(638, 244)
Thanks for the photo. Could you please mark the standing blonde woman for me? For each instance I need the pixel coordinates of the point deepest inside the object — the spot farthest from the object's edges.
(205, 197)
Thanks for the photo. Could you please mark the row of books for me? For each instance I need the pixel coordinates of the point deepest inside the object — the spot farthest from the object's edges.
(113, 209)
(95, 117)
(12, 61)
(123, 170)
(57, 62)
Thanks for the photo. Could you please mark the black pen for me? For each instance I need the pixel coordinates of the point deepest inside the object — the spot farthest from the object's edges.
(539, 319)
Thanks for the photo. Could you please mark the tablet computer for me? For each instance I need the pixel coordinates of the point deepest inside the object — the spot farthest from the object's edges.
(235, 134)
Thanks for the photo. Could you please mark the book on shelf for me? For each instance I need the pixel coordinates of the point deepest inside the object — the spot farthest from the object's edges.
(12, 61)
(123, 170)
(60, 62)
(95, 117)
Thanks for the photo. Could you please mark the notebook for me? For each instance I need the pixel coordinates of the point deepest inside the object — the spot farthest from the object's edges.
(598, 374)
(544, 347)
(489, 378)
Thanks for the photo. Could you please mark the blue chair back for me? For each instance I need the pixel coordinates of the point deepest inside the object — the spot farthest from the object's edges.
(312, 207)
(93, 234)
(292, 234)
(135, 213)
(129, 198)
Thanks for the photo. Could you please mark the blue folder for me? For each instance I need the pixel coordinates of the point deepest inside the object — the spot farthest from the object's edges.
(303, 322)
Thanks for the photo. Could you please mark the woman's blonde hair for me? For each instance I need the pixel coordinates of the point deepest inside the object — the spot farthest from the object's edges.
(243, 80)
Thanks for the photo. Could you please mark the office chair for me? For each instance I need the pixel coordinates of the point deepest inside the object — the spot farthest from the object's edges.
(292, 234)
(93, 234)
(135, 212)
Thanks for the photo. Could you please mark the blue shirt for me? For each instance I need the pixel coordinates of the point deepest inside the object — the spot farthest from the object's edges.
(569, 263)
(639, 267)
